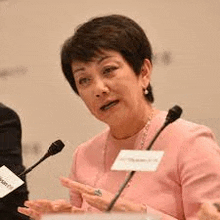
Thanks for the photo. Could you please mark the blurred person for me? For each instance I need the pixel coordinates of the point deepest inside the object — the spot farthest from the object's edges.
(108, 63)
(11, 157)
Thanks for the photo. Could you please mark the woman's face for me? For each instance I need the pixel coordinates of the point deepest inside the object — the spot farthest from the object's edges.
(110, 88)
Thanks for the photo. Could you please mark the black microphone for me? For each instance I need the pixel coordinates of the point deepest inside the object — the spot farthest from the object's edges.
(54, 148)
(173, 114)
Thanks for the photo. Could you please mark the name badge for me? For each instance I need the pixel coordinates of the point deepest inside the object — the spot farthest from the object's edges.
(8, 181)
(137, 160)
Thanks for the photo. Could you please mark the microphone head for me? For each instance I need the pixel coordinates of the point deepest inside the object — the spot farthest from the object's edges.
(173, 114)
(55, 147)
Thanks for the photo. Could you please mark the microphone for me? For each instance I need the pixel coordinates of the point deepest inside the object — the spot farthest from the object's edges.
(54, 148)
(173, 114)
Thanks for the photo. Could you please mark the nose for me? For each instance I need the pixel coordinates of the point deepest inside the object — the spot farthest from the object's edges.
(101, 88)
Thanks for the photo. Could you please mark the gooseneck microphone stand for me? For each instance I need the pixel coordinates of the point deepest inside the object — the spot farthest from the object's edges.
(173, 114)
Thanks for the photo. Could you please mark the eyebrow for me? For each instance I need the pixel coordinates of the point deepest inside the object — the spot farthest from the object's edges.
(104, 58)
(77, 70)
(100, 59)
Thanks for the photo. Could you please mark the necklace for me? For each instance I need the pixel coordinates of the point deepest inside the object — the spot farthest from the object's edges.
(146, 128)
(143, 139)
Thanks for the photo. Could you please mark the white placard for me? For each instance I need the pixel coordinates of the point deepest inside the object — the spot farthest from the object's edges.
(8, 181)
(137, 160)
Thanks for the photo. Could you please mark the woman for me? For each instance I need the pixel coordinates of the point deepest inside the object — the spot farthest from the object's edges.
(108, 63)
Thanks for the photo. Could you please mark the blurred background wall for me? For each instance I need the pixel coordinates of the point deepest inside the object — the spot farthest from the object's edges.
(185, 37)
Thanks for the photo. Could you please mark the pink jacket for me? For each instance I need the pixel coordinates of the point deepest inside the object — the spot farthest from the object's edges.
(188, 174)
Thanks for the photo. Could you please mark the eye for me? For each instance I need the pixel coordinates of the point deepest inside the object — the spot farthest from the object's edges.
(84, 81)
(108, 70)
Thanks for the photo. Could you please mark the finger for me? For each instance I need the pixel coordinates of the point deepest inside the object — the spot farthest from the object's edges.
(209, 208)
(76, 186)
(208, 211)
(102, 203)
(217, 206)
(23, 210)
(43, 206)
(96, 201)
(76, 210)
(29, 212)
(61, 206)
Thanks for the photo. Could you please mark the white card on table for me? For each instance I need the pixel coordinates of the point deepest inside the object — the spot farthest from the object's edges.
(8, 181)
(137, 160)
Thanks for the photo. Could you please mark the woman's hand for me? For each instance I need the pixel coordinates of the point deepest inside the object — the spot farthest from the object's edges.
(101, 199)
(208, 211)
(35, 209)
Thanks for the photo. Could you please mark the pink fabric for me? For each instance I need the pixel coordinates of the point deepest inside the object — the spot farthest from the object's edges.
(188, 174)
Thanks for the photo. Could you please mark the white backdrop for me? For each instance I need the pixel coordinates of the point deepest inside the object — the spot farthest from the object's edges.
(185, 37)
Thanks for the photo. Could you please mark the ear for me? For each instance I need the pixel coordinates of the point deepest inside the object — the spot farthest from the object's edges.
(145, 74)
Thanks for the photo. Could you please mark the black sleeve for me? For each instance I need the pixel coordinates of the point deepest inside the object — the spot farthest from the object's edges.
(11, 157)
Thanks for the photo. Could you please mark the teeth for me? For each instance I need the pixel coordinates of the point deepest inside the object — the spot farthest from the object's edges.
(109, 106)
(106, 107)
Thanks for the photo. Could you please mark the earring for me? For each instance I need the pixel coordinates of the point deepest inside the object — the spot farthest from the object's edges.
(146, 92)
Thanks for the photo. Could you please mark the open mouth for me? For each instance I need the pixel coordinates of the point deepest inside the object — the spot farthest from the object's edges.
(109, 105)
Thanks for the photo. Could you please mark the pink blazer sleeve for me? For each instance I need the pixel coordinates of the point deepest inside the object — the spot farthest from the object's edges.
(198, 168)
(199, 171)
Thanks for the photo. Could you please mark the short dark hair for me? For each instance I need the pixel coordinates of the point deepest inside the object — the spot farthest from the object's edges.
(113, 32)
